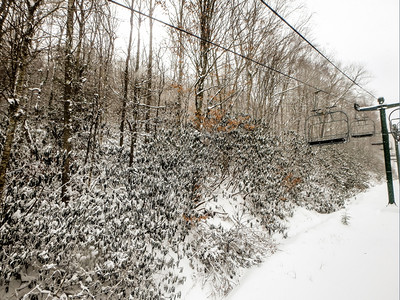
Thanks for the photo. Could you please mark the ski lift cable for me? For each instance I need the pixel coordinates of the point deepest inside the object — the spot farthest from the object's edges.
(318, 51)
(305, 83)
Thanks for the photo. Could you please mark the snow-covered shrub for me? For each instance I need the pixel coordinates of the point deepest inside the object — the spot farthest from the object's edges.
(333, 176)
(107, 244)
(345, 218)
(219, 254)
(126, 229)
(255, 163)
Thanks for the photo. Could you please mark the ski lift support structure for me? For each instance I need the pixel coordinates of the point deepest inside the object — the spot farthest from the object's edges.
(385, 139)
(395, 130)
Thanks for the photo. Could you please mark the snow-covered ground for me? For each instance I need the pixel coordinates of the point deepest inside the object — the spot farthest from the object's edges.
(322, 258)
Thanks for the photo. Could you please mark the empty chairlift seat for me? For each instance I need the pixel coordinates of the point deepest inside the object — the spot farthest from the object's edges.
(362, 128)
(325, 128)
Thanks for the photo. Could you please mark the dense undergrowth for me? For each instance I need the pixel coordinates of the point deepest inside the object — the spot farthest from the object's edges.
(126, 230)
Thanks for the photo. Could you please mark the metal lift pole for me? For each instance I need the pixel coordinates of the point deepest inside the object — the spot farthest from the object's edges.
(385, 139)
(386, 150)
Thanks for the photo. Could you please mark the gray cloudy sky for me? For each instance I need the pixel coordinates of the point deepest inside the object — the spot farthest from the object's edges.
(361, 32)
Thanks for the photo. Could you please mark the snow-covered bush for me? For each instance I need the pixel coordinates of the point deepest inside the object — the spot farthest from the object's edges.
(219, 254)
(112, 241)
(126, 229)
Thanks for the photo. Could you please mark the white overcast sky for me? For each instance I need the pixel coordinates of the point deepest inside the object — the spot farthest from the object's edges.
(361, 32)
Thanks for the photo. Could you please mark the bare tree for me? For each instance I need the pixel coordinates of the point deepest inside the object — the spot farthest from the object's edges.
(126, 79)
(206, 13)
(100, 61)
(177, 17)
(68, 98)
(27, 19)
(4, 10)
(136, 92)
(149, 86)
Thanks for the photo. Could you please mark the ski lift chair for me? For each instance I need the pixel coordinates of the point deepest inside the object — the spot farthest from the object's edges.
(395, 124)
(326, 128)
(362, 128)
(395, 130)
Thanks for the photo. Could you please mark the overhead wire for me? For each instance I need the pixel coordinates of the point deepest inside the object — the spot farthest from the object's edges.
(220, 47)
(303, 82)
(317, 50)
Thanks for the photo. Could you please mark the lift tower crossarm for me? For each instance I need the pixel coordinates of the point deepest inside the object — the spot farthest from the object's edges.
(376, 107)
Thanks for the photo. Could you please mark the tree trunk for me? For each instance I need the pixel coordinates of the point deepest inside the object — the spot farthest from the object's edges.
(149, 95)
(206, 8)
(4, 8)
(136, 97)
(14, 112)
(126, 80)
(68, 95)
(181, 60)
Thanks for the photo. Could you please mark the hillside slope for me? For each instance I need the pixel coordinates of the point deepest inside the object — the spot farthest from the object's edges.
(325, 259)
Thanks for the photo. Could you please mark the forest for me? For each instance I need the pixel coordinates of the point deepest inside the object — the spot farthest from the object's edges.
(122, 139)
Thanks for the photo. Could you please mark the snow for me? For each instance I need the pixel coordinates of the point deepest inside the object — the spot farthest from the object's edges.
(322, 258)
(13, 101)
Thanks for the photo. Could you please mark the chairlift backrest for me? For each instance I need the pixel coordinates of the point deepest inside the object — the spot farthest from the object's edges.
(330, 127)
